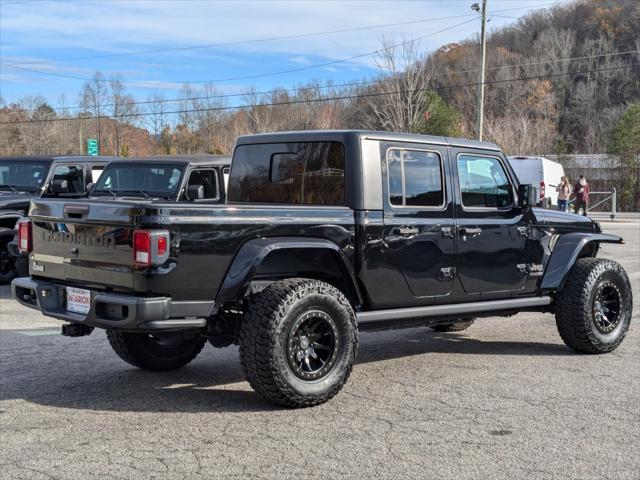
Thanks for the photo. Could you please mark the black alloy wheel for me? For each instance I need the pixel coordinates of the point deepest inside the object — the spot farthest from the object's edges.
(312, 347)
(606, 307)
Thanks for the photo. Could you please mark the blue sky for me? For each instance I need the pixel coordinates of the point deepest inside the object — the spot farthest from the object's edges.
(54, 36)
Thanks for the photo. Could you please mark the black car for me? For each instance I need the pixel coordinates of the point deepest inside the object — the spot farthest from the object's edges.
(25, 178)
(323, 234)
(178, 178)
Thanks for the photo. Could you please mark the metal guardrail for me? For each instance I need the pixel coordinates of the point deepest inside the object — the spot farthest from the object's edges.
(611, 195)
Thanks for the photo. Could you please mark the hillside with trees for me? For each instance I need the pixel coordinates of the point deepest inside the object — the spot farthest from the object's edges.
(559, 80)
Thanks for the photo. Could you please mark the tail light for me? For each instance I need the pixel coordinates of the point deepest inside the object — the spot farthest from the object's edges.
(150, 247)
(542, 192)
(25, 243)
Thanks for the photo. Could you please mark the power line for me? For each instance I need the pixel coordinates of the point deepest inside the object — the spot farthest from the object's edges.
(20, 66)
(326, 99)
(268, 74)
(361, 83)
(239, 42)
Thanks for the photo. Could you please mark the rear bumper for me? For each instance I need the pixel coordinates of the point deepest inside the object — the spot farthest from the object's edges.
(113, 310)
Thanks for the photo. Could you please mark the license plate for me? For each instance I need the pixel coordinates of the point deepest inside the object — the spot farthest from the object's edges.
(78, 300)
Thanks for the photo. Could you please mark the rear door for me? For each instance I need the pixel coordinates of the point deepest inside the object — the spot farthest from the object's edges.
(419, 232)
(492, 231)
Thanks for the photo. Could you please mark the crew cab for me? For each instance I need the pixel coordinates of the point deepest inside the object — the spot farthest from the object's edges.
(322, 234)
(25, 178)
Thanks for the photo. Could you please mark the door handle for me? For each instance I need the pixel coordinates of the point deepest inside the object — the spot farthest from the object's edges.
(76, 211)
(405, 231)
(469, 232)
(447, 232)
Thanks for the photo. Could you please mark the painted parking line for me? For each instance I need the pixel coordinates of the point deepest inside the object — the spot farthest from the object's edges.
(38, 333)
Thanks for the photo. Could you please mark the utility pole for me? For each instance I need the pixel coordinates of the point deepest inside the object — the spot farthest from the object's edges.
(483, 42)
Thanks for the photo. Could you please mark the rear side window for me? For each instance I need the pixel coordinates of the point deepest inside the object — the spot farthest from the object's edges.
(208, 179)
(72, 174)
(415, 178)
(483, 182)
(306, 173)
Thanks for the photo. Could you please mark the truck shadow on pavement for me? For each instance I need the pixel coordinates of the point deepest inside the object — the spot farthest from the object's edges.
(5, 292)
(93, 378)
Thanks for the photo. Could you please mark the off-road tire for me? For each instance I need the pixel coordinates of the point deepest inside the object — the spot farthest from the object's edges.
(576, 308)
(7, 263)
(457, 326)
(142, 351)
(266, 335)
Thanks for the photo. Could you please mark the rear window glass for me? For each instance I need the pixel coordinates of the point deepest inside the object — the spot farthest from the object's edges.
(139, 180)
(308, 173)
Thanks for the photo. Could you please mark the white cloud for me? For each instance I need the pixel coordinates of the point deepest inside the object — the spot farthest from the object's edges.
(301, 60)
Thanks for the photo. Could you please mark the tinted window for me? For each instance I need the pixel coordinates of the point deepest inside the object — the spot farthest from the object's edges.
(22, 175)
(294, 173)
(483, 182)
(208, 179)
(135, 179)
(72, 174)
(415, 178)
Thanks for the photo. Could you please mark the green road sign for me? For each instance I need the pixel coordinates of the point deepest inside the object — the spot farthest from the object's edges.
(92, 147)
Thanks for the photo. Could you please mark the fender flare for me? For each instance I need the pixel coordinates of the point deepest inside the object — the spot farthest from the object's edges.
(251, 255)
(565, 254)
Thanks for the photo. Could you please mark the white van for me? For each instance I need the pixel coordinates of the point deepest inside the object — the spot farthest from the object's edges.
(542, 173)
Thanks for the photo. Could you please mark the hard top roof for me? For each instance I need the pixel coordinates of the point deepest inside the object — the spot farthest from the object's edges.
(51, 158)
(185, 159)
(341, 135)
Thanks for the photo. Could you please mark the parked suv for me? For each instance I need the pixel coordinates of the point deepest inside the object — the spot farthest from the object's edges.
(25, 178)
(323, 234)
(195, 178)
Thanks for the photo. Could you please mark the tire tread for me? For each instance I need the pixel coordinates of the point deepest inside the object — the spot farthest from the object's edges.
(266, 310)
(573, 316)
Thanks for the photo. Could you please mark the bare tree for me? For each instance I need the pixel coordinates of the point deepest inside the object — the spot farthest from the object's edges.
(37, 131)
(124, 111)
(405, 78)
(92, 100)
(155, 107)
(209, 114)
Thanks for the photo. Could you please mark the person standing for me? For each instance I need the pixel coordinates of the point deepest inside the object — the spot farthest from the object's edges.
(581, 190)
(564, 192)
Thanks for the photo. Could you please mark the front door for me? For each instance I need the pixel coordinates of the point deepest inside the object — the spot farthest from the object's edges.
(419, 232)
(491, 230)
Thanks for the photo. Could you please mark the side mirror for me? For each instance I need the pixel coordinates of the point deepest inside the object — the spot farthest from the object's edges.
(60, 186)
(526, 197)
(195, 192)
(90, 186)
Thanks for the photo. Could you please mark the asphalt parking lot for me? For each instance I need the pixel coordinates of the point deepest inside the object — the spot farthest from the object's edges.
(504, 399)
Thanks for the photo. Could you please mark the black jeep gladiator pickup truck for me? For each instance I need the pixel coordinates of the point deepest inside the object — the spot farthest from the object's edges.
(322, 234)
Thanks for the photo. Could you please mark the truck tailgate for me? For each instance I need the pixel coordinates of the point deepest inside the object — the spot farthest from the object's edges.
(83, 243)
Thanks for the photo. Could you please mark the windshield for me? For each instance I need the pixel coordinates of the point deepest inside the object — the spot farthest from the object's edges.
(22, 176)
(143, 180)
